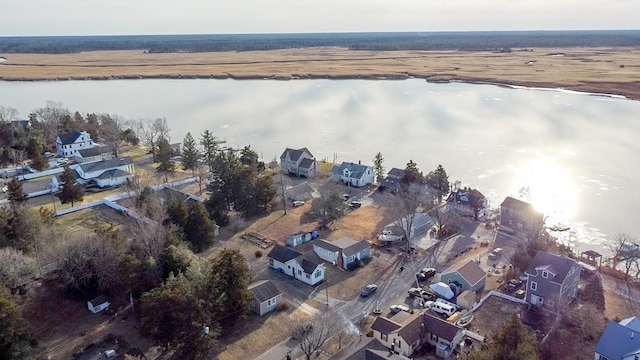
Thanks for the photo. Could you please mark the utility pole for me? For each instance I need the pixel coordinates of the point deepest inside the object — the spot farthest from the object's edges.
(284, 201)
(326, 279)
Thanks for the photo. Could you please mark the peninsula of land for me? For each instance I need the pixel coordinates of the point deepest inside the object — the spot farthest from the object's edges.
(614, 70)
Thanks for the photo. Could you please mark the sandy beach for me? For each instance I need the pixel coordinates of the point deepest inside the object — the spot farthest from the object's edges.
(597, 70)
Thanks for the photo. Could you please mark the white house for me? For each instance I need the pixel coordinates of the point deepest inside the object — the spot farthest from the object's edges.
(293, 263)
(266, 296)
(298, 162)
(106, 173)
(68, 145)
(98, 304)
(343, 253)
(356, 175)
(97, 153)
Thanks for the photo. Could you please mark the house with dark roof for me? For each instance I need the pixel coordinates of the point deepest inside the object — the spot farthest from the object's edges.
(266, 296)
(98, 304)
(356, 175)
(298, 162)
(620, 341)
(520, 216)
(345, 253)
(295, 264)
(465, 276)
(552, 280)
(106, 173)
(97, 153)
(404, 333)
(459, 202)
(369, 348)
(393, 181)
(68, 145)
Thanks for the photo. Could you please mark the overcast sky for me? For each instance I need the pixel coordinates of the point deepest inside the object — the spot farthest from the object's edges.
(119, 17)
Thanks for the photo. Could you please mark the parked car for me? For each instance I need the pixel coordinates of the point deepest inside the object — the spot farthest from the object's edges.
(398, 308)
(298, 203)
(428, 272)
(355, 204)
(368, 290)
(520, 294)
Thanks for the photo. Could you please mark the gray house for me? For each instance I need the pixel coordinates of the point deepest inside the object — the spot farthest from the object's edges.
(620, 341)
(93, 154)
(298, 162)
(552, 280)
(393, 181)
(466, 276)
(266, 296)
(520, 216)
(344, 253)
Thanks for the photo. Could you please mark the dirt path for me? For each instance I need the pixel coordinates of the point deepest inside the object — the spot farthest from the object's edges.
(600, 70)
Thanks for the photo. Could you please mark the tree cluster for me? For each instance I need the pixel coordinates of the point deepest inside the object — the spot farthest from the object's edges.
(207, 294)
(193, 222)
(512, 342)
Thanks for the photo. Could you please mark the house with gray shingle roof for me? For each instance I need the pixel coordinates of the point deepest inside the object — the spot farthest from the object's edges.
(620, 341)
(67, 145)
(298, 162)
(345, 253)
(97, 153)
(106, 173)
(368, 349)
(266, 296)
(393, 181)
(466, 276)
(356, 175)
(552, 280)
(296, 264)
(404, 333)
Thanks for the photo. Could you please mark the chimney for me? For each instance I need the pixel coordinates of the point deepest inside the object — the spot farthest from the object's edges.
(359, 162)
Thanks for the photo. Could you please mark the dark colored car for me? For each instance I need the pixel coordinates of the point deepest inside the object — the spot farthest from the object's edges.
(355, 204)
(368, 290)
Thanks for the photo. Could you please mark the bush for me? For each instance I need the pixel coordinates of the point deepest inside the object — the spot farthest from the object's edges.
(258, 254)
(283, 306)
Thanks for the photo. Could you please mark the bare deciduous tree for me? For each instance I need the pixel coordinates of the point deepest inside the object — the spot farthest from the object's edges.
(8, 114)
(625, 250)
(16, 268)
(149, 131)
(313, 334)
(111, 127)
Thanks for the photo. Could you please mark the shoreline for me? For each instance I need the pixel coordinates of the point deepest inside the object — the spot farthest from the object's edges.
(600, 71)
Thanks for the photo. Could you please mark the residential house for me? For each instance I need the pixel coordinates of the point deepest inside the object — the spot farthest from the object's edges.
(300, 192)
(20, 125)
(520, 216)
(97, 153)
(68, 145)
(293, 263)
(356, 175)
(418, 224)
(393, 181)
(344, 253)
(404, 333)
(176, 149)
(466, 276)
(368, 348)
(298, 162)
(459, 202)
(620, 341)
(98, 304)
(552, 280)
(266, 296)
(106, 173)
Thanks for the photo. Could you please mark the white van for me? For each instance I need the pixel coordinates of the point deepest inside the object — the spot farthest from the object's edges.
(442, 308)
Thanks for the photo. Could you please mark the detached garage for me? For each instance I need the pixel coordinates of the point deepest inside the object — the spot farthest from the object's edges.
(98, 304)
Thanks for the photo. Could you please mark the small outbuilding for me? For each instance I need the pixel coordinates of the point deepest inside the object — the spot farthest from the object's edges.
(266, 296)
(466, 299)
(98, 304)
(466, 276)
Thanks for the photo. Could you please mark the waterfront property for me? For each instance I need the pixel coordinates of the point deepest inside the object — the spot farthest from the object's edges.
(106, 173)
(298, 162)
(520, 216)
(93, 154)
(67, 145)
(393, 181)
(552, 280)
(356, 175)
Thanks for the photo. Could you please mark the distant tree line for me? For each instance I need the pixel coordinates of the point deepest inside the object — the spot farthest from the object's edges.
(478, 41)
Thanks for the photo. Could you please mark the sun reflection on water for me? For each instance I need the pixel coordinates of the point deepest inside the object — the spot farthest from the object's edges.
(550, 189)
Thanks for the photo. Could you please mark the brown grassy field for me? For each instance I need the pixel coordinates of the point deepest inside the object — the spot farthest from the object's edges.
(601, 70)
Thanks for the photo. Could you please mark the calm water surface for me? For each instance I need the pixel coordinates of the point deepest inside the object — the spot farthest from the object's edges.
(577, 154)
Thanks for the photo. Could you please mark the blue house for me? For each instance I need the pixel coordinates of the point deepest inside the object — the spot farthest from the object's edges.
(620, 341)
